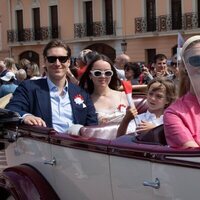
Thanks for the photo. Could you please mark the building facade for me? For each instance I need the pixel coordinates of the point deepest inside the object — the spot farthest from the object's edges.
(141, 28)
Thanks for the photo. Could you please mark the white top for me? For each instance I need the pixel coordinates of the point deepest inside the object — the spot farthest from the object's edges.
(147, 116)
(108, 117)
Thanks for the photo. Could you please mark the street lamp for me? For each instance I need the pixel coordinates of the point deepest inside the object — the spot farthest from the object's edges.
(124, 46)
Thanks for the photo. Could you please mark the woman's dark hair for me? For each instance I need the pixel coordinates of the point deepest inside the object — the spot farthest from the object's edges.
(87, 83)
(135, 67)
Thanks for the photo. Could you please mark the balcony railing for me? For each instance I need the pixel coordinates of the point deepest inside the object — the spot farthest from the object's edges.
(96, 29)
(29, 34)
(167, 23)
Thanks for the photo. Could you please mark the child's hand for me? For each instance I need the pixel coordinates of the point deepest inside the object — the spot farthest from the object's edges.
(131, 113)
(144, 126)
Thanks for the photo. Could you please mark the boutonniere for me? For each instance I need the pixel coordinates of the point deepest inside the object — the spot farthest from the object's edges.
(78, 99)
(122, 108)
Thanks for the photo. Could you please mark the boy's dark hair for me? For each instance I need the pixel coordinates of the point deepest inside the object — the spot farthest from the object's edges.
(169, 86)
(159, 57)
(56, 43)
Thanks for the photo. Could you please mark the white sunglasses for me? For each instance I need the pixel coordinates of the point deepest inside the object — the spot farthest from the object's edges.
(97, 73)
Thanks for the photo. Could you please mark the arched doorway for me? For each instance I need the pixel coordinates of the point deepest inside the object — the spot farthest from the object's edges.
(104, 49)
(30, 55)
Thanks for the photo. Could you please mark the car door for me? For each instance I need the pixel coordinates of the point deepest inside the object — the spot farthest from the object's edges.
(128, 175)
(30, 148)
(82, 168)
(146, 171)
(130, 166)
(179, 176)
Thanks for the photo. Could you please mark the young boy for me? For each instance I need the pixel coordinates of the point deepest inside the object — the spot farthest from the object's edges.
(161, 93)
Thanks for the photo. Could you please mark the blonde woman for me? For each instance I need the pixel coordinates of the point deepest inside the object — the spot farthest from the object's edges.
(181, 119)
(33, 71)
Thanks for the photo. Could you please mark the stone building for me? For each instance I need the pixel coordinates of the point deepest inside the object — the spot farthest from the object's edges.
(140, 28)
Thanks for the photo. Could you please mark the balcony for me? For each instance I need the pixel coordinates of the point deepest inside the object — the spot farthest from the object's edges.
(96, 29)
(167, 23)
(30, 35)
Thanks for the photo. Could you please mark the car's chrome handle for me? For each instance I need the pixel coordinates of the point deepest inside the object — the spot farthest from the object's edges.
(50, 162)
(154, 184)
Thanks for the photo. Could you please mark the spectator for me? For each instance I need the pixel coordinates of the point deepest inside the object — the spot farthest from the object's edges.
(3, 69)
(21, 76)
(33, 71)
(53, 101)
(132, 72)
(181, 119)
(82, 62)
(120, 62)
(10, 65)
(8, 85)
(23, 63)
(160, 66)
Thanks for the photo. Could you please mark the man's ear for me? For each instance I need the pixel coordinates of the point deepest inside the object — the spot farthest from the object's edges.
(68, 62)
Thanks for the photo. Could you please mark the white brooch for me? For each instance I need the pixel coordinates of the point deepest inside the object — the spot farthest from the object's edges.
(78, 99)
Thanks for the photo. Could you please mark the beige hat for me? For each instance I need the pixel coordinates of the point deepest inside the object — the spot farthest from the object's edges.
(8, 76)
(188, 42)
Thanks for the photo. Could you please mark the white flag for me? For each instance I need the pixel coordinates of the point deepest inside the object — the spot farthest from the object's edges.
(180, 43)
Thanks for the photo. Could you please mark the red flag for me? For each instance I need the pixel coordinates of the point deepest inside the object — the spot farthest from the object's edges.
(128, 90)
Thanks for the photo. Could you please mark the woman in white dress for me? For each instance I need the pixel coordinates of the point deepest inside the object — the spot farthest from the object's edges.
(101, 81)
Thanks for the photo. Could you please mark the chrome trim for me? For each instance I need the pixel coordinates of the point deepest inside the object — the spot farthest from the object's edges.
(154, 184)
(50, 162)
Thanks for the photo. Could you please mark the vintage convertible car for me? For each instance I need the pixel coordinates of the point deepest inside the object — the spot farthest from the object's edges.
(95, 165)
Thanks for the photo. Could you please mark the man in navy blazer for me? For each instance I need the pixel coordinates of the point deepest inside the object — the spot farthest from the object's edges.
(54, 101)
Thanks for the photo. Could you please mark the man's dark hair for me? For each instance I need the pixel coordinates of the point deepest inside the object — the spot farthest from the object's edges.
(159, 57)
(56, 43)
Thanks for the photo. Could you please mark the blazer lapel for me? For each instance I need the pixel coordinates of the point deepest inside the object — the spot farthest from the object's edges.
(43, 99)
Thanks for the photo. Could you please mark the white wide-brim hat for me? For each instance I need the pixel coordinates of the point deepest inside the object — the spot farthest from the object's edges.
(8, 76)
(188, 42)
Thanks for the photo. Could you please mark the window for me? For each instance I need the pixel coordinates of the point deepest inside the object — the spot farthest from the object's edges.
(54, 21)
(0, 36)
(150, 53)
(108, 16)
(36, 23)
(176, 14)
(151, 15)
(89, 18)
(20, 26)
(198, 12)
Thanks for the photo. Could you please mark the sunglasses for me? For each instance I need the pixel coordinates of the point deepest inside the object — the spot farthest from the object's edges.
(62, 59)
(97, 73)
(194, 61)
